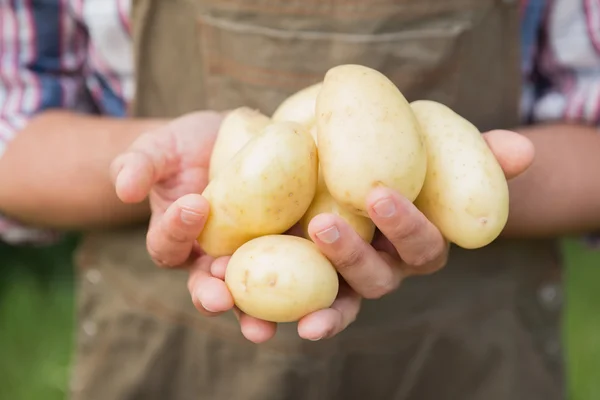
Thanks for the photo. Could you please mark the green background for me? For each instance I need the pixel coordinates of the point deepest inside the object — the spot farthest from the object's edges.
(37, 321)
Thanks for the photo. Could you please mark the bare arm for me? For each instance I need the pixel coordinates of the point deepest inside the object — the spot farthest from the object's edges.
(560, 192)
(55, 173)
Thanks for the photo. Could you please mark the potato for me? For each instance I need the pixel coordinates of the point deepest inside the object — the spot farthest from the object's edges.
(237, 128)
(299, 107)
(368, 137)
(465, 192)
(324, 203)
(265, 189)
(281, 278)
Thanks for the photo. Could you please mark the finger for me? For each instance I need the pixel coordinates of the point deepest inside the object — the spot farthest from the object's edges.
(210, 295)
(254, 329)
(150, 158)
(359, 263)
(171, 237)
(329, 322)
(513, 151)
(218, 267)
(418, 242)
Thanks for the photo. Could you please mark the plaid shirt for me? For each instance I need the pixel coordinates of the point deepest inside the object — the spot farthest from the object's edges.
(77, 54)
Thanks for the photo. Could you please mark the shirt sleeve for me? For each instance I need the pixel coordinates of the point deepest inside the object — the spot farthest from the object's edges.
(561, 64)
(42, 58)
(562, 67)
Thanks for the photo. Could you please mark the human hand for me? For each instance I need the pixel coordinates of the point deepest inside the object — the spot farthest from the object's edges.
(169, 166)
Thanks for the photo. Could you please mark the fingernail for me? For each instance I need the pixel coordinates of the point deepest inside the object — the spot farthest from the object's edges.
(199, 297)
(317, 339)
(190, 217)
(329, 235)
(385, 208)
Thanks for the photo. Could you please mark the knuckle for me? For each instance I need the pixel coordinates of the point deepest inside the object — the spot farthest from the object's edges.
(405, 230)
(349, 260)
(423, 259)
(157, 258)
(382, 287)
(430, 261)
(175, 234)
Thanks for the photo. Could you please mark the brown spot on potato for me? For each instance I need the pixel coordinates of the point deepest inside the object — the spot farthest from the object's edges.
(326, 117)
(272, 280)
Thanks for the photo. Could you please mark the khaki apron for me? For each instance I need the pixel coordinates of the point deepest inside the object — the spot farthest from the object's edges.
(484, 328)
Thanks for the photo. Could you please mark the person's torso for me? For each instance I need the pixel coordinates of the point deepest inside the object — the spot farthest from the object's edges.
(197, 54)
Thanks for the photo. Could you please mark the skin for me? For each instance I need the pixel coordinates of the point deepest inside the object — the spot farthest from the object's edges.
(73, 152)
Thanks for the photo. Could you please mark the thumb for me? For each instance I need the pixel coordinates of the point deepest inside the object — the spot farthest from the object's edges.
(151, 158)
(514, 152)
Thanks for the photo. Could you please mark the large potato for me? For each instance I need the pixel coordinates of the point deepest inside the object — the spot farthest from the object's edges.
(281, 278)
(237, 128)
(265, 189)
(368, 137)
(324, 203)
(299, 107)
(465, 192)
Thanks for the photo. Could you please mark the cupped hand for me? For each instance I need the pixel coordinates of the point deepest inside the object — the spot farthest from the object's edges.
(169, 167)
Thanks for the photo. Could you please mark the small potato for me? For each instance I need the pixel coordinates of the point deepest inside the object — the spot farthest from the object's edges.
(368, 137)
(237, 128)
(465, 192)
(324, 203)
(299, 107)
(281, 278)
(265, 189)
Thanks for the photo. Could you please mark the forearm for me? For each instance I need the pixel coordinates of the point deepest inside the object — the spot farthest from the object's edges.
(55, 173)
(560, 193)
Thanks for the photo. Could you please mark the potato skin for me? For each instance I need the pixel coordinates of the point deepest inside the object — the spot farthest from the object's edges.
(324, 203)
(465, 192)
(299, 107)
(265, 189)
(368, 137)
(238, 127)
(281, 278)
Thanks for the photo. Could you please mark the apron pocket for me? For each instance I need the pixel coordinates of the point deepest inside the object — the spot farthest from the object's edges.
(248, 65)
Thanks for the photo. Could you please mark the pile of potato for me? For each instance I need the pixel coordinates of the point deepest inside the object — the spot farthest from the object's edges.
(322, 151)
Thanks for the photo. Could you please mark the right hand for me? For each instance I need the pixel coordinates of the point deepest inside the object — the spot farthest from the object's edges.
(169, 167)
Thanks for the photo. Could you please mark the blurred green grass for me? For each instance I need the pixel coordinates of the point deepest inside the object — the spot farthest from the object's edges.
(37, 316)
(36, 321)
(582, 320)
